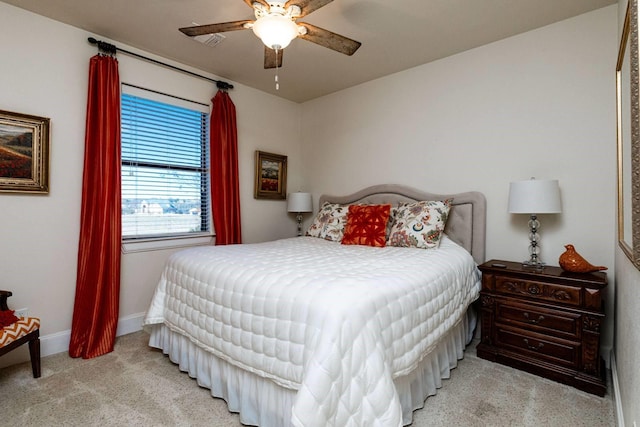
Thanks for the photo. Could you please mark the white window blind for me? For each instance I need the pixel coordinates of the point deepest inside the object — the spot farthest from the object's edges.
(165, 179)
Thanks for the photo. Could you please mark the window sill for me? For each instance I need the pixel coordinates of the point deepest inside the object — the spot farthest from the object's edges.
(165, 243)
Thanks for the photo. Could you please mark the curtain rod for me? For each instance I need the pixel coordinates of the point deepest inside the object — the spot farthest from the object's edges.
(112, 49)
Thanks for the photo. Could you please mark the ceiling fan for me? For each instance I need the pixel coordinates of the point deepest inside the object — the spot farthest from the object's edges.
(276, 26)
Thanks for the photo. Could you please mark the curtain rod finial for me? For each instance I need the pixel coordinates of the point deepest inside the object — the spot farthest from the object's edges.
(223, 85)
(105, 47)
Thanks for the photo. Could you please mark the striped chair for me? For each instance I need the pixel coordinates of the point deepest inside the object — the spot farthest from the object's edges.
(26, 329)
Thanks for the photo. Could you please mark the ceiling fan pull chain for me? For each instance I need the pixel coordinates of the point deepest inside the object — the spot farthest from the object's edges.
(277, 84)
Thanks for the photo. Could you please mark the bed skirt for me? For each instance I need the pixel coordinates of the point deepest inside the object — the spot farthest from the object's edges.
(261, 402)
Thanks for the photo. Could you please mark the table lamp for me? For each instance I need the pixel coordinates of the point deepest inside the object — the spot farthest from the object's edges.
(533, 197)
(299, 203)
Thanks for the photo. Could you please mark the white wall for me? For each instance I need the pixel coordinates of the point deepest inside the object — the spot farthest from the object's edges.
(44, 72)
(627, 333)
(627, 339)
(539, 104)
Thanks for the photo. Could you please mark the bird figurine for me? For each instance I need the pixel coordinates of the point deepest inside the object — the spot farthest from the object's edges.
(572, 261)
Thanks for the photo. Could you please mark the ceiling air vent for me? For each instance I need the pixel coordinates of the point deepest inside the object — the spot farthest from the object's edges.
(211, 40)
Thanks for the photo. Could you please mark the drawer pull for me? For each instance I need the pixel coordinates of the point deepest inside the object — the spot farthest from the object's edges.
(533, 347)
(534, 321)
(534, 289)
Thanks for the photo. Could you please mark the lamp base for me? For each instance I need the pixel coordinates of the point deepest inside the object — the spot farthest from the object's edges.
(534, 249)
(299, 221)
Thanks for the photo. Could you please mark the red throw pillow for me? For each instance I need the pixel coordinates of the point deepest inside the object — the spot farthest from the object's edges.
(7, 318)
(367, 225)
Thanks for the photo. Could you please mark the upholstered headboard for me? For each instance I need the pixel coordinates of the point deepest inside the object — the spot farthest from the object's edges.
(467, 219)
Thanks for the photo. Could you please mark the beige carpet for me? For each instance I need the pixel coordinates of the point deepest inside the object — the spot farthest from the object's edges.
(138, 386)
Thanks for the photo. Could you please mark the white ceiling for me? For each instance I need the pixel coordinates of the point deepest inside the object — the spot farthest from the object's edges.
(395, 35)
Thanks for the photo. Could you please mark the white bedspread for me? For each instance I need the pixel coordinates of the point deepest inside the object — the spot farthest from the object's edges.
(337, 323)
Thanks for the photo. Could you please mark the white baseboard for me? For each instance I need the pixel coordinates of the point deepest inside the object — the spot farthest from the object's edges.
(606, 352)
(129, 324)
(59, 342)
(616, 391)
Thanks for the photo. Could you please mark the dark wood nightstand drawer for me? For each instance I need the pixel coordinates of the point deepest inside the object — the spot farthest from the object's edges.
(558, 323)
(567, 295)
(558, 352)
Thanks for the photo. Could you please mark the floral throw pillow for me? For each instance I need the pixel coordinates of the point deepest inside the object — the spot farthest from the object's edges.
(419, 224)
(329, 222)
(392, 217)
(367, 225)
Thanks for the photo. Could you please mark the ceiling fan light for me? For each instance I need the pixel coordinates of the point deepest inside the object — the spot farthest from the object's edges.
(275, 31)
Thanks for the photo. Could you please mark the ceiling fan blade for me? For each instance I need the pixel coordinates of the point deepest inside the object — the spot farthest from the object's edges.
(199, 30)
(307, 6)
(251, 2)
(329, 39)
(270, 58)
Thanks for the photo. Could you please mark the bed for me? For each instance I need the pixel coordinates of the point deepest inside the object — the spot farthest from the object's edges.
(310, 332)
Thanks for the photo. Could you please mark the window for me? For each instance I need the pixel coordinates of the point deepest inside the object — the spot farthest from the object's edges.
(165, 180)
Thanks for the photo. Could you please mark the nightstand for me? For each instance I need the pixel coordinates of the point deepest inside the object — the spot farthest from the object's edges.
(544, 321)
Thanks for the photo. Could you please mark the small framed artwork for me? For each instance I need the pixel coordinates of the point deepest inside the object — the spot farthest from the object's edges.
(271, 176)
(24, 153)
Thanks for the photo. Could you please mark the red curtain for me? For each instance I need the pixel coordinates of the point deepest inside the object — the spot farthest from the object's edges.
(225, 188)
(95, 312)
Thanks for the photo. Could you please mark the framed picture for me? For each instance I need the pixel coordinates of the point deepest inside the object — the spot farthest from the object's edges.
(24, 153)
(271, 176)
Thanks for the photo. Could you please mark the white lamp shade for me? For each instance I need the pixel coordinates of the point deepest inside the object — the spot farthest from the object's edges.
(299, 202)
(275, 31)
(534, 196)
